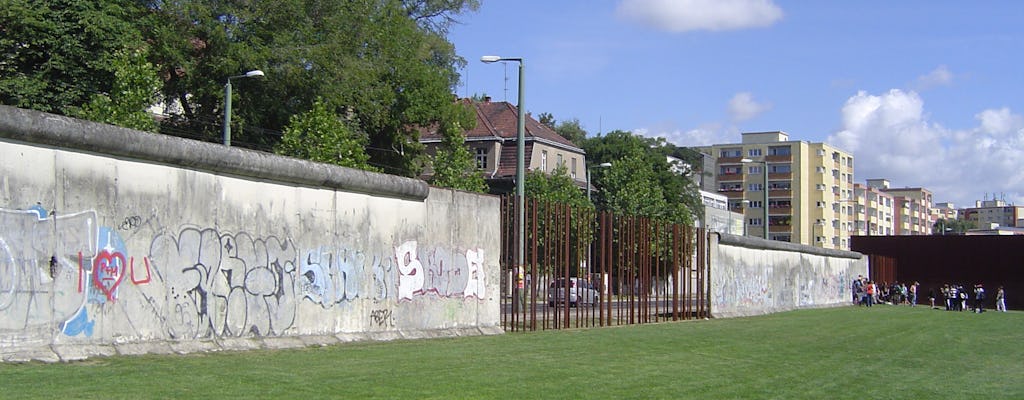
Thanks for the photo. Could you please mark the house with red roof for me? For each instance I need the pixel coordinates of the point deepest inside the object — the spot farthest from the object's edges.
(493, 143)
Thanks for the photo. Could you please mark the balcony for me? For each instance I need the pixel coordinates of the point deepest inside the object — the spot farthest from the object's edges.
(780, 176)
(779, 158)
(730, 177)
(730, 160)
(780, 193)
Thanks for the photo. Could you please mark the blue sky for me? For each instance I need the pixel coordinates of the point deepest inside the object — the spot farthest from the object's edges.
(925, 93)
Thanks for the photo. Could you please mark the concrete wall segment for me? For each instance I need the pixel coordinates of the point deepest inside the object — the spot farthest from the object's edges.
(103, 250)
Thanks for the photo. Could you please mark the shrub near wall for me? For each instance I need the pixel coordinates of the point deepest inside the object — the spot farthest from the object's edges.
(116, 241)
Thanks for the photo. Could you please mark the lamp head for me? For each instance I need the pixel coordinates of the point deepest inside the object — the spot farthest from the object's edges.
(254, 73)
(490, 59)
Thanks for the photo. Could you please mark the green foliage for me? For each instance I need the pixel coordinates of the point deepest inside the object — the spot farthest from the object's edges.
(454, 166)
(641, 180)
(56, 55)
(320, 135)
(952, 226)
(557, 187)
(571, 130)
(135, 88)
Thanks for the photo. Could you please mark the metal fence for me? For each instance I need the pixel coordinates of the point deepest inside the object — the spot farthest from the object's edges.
(583, 268)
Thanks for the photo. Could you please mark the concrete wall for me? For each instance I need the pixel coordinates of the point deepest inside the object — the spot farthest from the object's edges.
(753, 276)
(115, 241)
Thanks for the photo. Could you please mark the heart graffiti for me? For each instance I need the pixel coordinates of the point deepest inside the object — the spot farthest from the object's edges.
(107, 272)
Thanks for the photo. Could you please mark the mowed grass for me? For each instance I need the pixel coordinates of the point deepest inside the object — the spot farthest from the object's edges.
(884, 352)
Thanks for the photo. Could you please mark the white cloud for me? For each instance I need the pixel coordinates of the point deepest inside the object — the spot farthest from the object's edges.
(704, 135)
(940, 76)
(742, 107)
(692, 15)
(891, 137)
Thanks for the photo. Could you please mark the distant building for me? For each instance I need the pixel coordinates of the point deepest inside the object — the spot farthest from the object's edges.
(809, 186)
(985, 213)
(873, 215)
(493, 143)
(912, 208)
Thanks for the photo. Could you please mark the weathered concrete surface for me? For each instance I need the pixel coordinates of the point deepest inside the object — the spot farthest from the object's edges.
(752, 276)
(114, 241)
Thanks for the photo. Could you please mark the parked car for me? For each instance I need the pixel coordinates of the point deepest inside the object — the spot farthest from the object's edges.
(580, 291)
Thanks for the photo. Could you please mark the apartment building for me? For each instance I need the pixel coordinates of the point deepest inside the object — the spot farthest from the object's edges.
(912, 208)
(805, 189)
(987, 214)
(873, 213)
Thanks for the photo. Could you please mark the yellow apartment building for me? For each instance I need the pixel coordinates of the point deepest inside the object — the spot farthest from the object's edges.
(805, 189)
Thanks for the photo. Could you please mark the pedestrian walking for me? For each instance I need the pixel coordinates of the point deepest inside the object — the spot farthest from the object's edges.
(1001, 300)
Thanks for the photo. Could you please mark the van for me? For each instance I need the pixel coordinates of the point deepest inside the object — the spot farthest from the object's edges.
(581, 291)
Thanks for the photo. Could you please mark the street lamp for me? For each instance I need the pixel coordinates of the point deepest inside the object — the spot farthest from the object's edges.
(745, 203)
(520, 155)
(227, 102)
(764, 171)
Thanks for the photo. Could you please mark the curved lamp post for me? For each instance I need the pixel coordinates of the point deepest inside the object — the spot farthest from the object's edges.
(520, 160)
(227, 102)
(764, 172)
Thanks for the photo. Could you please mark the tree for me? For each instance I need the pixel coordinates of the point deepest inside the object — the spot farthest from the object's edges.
(558, 187)
(945, 226)
(135, 88)
(454, 166)
(56, 55)
(572, 131)
(386, 63)
(320, 135)
(641, 180)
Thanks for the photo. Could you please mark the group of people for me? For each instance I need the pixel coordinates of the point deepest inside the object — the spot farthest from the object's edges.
(868, 293)
(957, 296)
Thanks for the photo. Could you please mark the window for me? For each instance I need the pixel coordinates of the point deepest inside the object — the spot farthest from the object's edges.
(780, 169)
(821, 152)
(756, 203)
(820, 186)
(821, 204)
(481, 157)
(754, 222)
(779, 151)
(729, 170)
(572, 172)
(821, 170)
(754, 170)
(754, 152)
(544, 160)
(560, 162)
(731, 152)
(755, 187)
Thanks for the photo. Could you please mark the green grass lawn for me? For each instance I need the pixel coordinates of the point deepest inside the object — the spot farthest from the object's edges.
(884, 352)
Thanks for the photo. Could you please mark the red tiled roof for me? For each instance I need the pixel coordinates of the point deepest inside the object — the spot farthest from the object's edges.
(498, 120)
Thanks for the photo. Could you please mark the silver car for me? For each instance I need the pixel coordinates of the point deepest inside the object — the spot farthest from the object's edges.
(581, 291)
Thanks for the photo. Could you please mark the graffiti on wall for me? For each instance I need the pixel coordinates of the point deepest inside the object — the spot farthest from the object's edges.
(330, 277)
(57, 270)
(223, 284)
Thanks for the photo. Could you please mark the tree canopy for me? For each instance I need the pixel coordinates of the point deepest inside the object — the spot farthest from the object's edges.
(384, 66)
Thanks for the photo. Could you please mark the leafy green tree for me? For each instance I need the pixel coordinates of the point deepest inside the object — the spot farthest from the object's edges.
(642, 181)
(952, 226)
(320, 135)
(135, 88)
(454, 166)
(557, 187)
(56, 55)
(572, 131)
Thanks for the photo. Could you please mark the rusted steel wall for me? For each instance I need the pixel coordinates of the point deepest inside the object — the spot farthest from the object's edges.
(967, 260)
(624, 270)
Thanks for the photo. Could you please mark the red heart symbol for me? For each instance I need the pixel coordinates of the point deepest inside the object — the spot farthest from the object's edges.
(107, 272)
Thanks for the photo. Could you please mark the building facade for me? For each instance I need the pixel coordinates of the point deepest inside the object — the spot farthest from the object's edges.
(989, 214)
(912, 208)
(873, 213)
(806, 189)
(493, 142)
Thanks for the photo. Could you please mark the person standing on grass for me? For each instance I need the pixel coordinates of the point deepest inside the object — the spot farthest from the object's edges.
(858, 290)
(1001, 300)
(931, 296)
(869, 293)
(913, 293)
(979, 298)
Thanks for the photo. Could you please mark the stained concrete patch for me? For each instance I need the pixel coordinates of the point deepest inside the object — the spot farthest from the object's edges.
(283, 343)
(134, 349)
(78, 352)
(185, 347)
(33, 354)
(240, 343)
(319, 340)
(346, 337)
